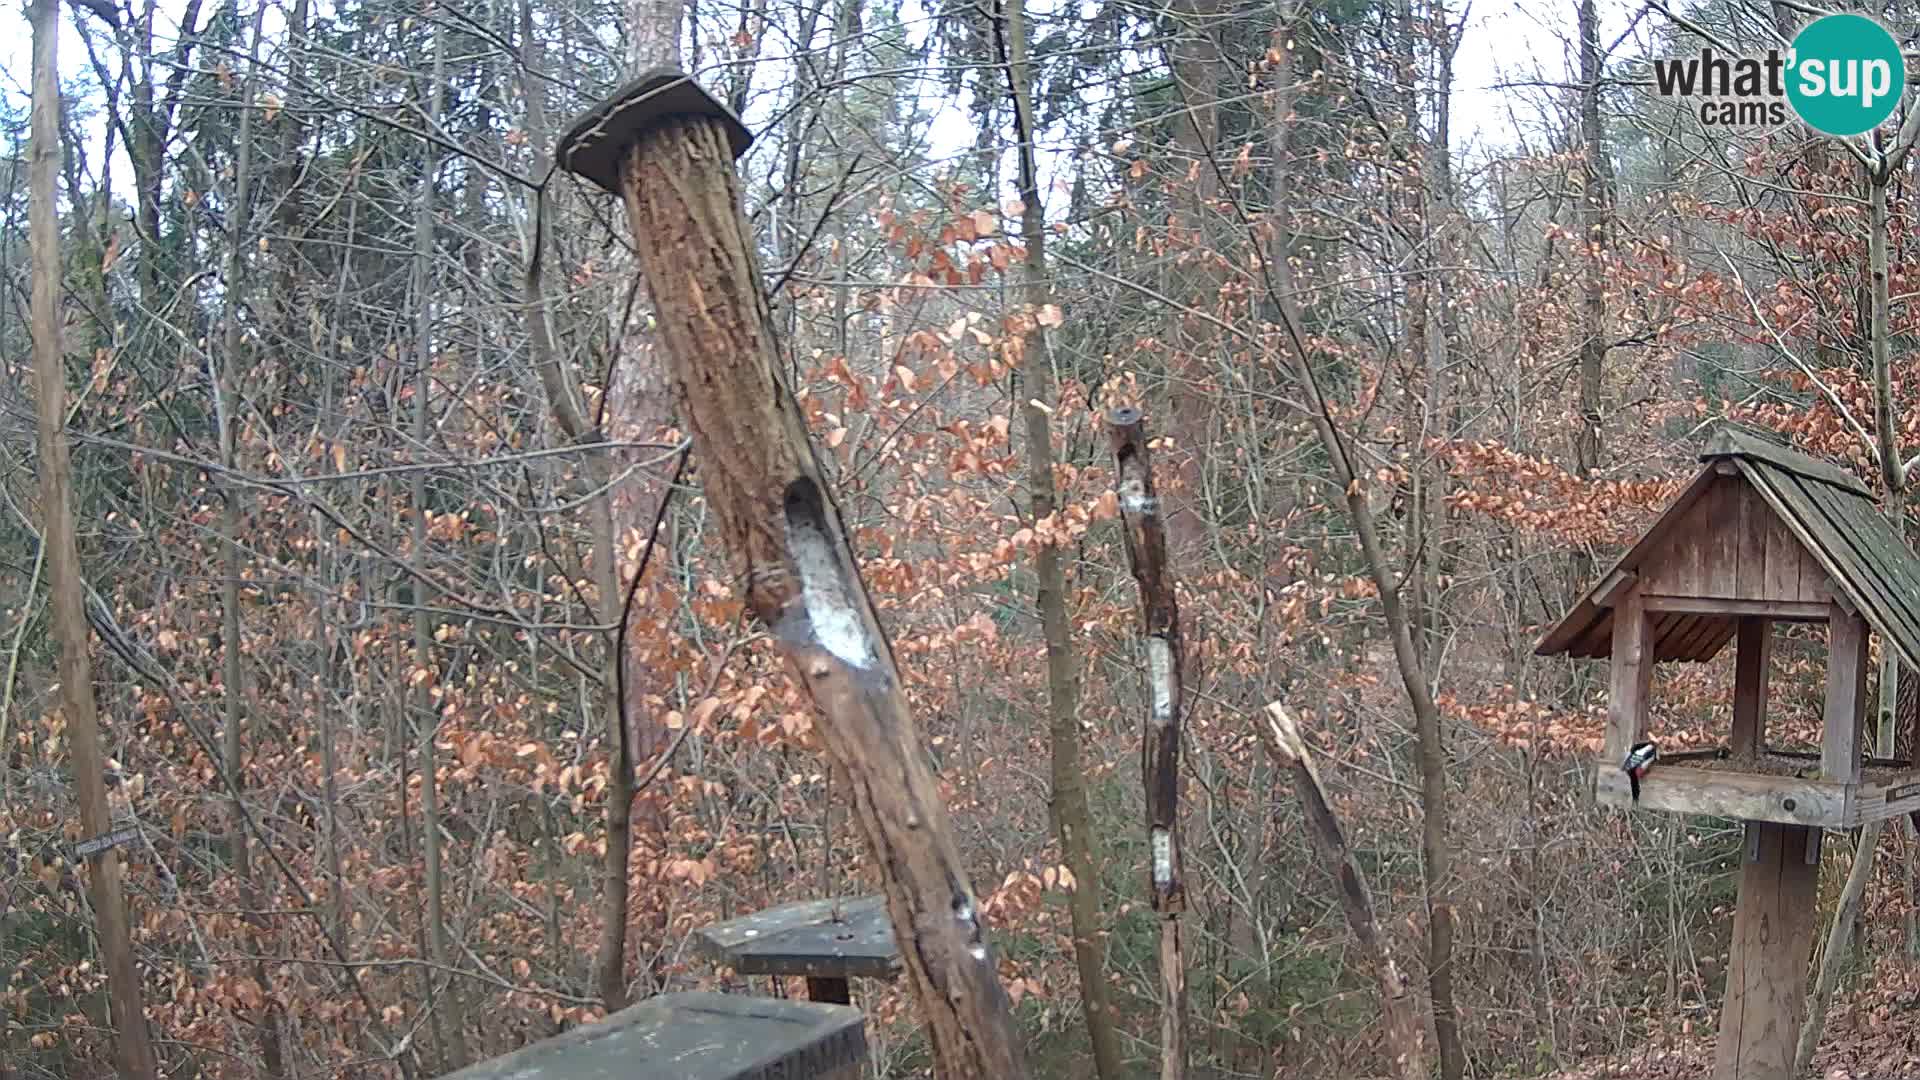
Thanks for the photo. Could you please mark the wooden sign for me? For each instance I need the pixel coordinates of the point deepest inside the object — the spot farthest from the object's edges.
(87, 848)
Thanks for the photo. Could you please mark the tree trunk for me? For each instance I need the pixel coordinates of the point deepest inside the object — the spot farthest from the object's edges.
(790, 550)
(1839, 938)
(1071, 817)
(425, 714)
(226, 397)
(134, 1049)
(1160, 746)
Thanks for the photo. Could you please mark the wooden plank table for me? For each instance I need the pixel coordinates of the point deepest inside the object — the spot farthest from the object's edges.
(827, 941)
(697, 1036)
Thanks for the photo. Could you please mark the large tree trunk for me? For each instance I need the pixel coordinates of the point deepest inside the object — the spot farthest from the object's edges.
(1596, 185)
(790, 549)
(134, 1049)
(639, 404)
(1196, 63)
(1071, 817)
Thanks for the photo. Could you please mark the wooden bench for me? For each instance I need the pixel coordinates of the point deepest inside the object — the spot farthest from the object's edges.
(827, 941)
(697, 1036)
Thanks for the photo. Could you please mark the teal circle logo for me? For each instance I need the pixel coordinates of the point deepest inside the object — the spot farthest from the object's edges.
(1847, 74)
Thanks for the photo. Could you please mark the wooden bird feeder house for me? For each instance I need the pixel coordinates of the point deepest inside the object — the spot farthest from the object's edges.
(1762, 535)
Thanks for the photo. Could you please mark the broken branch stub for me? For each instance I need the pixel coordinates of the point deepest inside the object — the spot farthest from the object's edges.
(675, 147)
(1403, 1028)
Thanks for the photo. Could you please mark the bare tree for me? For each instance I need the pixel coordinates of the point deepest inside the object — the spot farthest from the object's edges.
(64, 583)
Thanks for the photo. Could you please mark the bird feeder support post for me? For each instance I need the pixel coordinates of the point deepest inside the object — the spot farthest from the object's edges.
(1841, 727)
(667, 148)
(1753, 659)
(1631, 672)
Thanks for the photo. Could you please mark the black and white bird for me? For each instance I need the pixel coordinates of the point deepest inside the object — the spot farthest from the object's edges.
(1639, 760)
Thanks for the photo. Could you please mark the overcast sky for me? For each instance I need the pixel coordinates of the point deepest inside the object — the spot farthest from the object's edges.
(1506, 41)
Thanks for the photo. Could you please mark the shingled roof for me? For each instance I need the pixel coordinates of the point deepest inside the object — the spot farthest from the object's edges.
(1830, 512)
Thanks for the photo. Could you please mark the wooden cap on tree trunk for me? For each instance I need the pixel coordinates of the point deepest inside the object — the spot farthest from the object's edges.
(596, 144)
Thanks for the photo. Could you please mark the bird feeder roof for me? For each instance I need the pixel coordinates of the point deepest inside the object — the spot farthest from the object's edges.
(1831, 514)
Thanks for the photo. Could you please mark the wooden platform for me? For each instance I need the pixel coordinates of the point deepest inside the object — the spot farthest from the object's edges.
(828, 941)
(697, 1036)
(1786, 800)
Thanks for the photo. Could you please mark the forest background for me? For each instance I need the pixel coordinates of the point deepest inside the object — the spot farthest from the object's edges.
(361, 501)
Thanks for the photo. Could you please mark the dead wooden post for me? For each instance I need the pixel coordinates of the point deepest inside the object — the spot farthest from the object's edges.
(1403, 1028)
(1160, 740)
(667, 148)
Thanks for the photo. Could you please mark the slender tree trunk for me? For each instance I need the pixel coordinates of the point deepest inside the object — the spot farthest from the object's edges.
(133, 1047)
(1436, 855)
(1071, 817)
(1838, 948)
(1597, 182)
(425, 714)
(227, 404)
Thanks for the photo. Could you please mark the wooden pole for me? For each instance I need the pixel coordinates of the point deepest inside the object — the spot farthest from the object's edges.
(1765, 1004)
(1402, 1029)
(667, 148)
(1160, 743)
(1752, 661)
(1846, 706)
(1631, 669)
(135, 1049)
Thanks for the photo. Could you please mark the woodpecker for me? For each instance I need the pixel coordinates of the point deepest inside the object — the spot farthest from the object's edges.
(1639, 760)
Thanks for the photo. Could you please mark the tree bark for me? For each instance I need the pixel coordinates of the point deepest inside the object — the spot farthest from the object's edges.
(1072, 819)
(1402, 1022)
(134, 1049)
(1160, 745)
(1597, 182)
(797, 571)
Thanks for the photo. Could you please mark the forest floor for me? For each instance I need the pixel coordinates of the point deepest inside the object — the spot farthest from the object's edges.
(1873, 1034)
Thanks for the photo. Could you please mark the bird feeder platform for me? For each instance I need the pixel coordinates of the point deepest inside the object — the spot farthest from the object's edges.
(826, 941)
(697, 1036)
